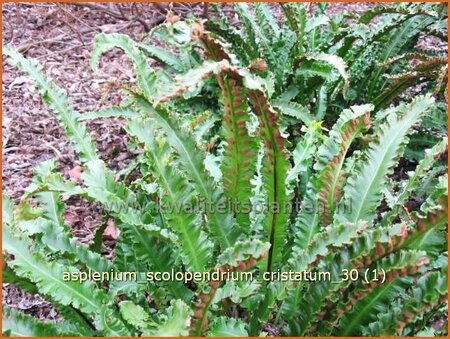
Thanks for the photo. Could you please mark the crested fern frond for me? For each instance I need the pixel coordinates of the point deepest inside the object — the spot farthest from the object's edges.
(192, 162)
(331, 163)
(288, 292)
(240, 152)
(56, 99)
(296, 19)
(175, 323)
(243, 256)
(239, 161)
(146, 76)
(431, 290)
(303, 152)
(48, 276)
(227, 327)
(431, 157)
(164, 56)
(381, 156)
(294, 110)
(274, 169)
(18, 324)
(195, 246)
(361, 313)
(323, 189)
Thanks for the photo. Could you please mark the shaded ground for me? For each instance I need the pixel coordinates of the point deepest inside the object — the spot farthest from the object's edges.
(60, 36)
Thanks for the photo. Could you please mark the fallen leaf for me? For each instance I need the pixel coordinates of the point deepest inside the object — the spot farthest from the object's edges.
(75, 174)
(111, 231)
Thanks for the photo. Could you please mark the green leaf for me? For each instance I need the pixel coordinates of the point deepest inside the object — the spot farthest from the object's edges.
(48, 276)
(337, 62)
(191, 161)
(429, 160)
(174, 323)
(56, 99)
(166, 57)
(295, 110)
(362, 193)
(178, 195)
(227, 327)
(17, 324)
(146, 76)
(239, 161)
(304, 151)
(274, 169)
(133, 314)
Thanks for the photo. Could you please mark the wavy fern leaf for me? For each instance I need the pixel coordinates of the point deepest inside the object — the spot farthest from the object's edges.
(323, 189)
(164, 56)
(365, 309)
(303, 152)
(146, 76)
(243, 256)
(56, 99)
(364, 249)
(335, 61)
(195, 246)
(146, 239)
(296, 19)
(191, 160)
(330, 163)
(176, 323)
(431, 157)
(134, 314)
(17, 324)
(429, 292)
(322, 244)
(239, 160)
(274, 169)
(227, 327)
(48, 276)
(362, 193)
(431, 221)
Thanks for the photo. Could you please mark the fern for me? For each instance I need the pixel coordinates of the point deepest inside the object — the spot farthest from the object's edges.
(277, 114)
(381, 157)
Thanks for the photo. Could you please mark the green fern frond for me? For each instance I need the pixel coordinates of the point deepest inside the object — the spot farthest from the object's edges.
(48, 276)
(364, 311)
(146, 76)
(227, 327)
(362, 193)
(17, 324)
(430, 291)
(56, 99)
(175, 323)
(192, 159)
(195, 246)
(431, 157)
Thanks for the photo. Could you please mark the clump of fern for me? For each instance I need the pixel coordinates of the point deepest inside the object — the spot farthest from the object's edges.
(339, 209)
(321, 63)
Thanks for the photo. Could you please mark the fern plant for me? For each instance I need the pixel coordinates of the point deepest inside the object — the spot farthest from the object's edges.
(319, 53)
(229, 190)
